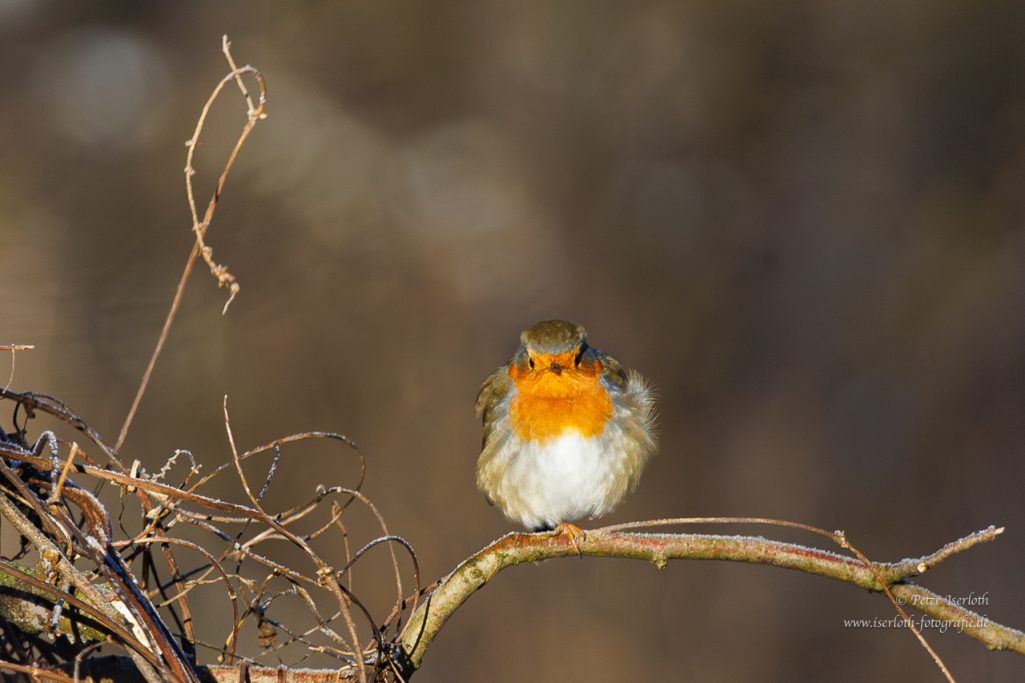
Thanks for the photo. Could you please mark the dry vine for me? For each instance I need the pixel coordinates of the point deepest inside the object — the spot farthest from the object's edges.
(81, 586)
(69, 535)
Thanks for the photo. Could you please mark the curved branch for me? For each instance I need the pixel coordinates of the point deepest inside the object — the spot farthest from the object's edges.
(516, 548)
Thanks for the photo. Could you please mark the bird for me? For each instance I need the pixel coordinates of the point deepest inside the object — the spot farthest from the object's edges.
(567, 430)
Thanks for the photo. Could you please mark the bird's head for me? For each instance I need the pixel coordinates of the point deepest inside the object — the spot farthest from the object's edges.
(554, 360)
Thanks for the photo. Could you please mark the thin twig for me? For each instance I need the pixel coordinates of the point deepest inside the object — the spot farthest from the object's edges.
(838, 537)
(35, 672)
(14, 348)
(55, 494)
(324, 571)
(199, 248)
(904, 615)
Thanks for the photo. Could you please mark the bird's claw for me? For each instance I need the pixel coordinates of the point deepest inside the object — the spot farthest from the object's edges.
(573, 533)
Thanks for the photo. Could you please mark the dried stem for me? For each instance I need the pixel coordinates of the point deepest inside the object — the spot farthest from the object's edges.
(14, 348)
(199, 247)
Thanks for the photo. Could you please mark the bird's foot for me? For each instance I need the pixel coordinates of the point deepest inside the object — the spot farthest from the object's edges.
(572, 532)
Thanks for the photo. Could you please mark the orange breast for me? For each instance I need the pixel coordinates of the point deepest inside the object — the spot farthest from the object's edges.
(547, 404)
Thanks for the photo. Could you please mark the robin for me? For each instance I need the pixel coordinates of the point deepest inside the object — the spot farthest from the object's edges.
(567, 430)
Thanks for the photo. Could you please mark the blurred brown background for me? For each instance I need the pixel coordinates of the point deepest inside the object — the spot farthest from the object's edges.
(803, 221)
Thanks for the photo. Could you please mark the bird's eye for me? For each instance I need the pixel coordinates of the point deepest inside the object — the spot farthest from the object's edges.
(580, 356)
(530, 362)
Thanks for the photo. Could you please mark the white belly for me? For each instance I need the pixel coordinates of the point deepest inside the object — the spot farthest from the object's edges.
(563, 479)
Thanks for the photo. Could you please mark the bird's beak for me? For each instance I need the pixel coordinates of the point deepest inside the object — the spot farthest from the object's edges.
(556, 368)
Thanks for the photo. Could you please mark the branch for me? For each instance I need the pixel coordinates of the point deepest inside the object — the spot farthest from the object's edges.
(516, 548)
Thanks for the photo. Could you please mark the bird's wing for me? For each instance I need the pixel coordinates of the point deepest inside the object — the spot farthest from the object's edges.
(494, 389)
(613, 371)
